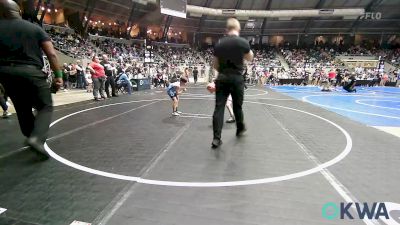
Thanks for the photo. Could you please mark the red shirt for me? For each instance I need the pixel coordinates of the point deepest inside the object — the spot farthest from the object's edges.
(99, 70)
(332, 75)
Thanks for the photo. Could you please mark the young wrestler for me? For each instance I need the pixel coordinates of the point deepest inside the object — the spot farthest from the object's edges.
(174, 89)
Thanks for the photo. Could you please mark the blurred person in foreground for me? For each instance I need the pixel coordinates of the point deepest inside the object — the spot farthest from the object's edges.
(21, 63)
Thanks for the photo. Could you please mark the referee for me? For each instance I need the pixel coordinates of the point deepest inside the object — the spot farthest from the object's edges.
(229, 55)
(21, 63)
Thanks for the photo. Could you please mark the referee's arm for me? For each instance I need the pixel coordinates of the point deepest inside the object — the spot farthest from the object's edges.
(51, 54)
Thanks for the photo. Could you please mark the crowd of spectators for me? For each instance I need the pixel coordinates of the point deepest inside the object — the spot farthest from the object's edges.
(390, 55)
(120, 51)
(310, 58)
(126, 62)
(176, 56)
(311, 64)
(71, 44)
(319, 65)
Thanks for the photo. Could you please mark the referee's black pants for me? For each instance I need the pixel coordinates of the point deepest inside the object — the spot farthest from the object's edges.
(110, 82)
(27, 87)
(225, 85)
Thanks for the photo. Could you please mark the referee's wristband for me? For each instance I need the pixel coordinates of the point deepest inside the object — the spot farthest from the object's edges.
(58, 74)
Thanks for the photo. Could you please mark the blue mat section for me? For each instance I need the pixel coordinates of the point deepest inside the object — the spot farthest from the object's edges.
(373, 106)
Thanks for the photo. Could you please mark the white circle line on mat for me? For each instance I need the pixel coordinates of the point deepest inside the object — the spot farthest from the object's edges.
(318, 168)
(305, 99)
(361, 102)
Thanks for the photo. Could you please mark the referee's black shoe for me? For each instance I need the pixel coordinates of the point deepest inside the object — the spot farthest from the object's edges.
(37, 147)
(216, 143)
(240, 132)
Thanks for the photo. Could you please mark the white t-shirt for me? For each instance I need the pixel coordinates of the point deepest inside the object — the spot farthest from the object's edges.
(88, 78)
(176, 84)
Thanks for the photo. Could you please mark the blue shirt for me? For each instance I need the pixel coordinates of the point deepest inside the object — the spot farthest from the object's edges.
(123, 78)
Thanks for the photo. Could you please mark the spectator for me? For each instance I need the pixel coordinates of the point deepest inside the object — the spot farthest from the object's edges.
(72, 74)
(195, 74)
(89, 81)
(398, 78)
(124, 81)
(109, 70)
(80, 76)
(384, 79)
(66, 70)
(98, 77)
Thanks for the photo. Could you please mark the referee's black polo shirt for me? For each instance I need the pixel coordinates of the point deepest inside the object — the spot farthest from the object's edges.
(230, 51)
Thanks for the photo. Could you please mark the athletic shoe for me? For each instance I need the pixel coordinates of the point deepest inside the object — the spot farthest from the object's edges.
(6, 114)
(231, 120)
(175, 114)
(37, 147)
(179, 112)
(216, 143)
(240, 132)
